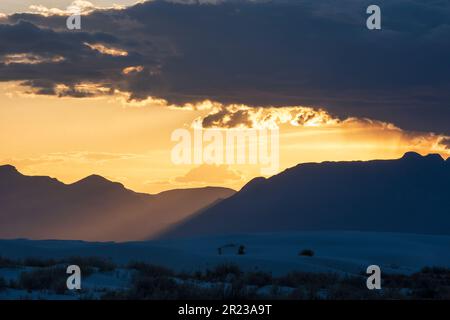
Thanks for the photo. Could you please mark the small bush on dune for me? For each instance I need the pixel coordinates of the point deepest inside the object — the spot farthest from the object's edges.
(198, 275)
(395, 280)
(39, 263)
(223, 272)
(429, 283)
(187, 291)
(306, 253)
(9, 263)
(164, 289)
(296, 279)
(115, 295)
(239, 290)
(150, 269)
(258, 278)
(13, 284)
(53, 278)
(145, 287)
(184, 275)
(343, 292)
(3, 284)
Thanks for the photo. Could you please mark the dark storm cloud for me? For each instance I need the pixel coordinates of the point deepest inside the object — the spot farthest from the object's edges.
(446, 142)
(80, 62)
(283, 52)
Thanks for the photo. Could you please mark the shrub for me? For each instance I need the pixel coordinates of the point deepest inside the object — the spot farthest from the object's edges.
(3, 284)
(198, 275)
(87, 263)
(8, 263)
(239, 290)
(241, 250)
(145, 287)
(115, 295)
(53, 278)
(223, 272)
(436, 271)
(40, 263)
(258, 278)
(306, 253)
(296, 279)
(150, 269)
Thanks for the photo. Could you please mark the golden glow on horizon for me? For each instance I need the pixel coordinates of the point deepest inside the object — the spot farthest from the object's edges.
(115, 52)
(68, 7)
(28, 58)
(70, 138)
(132, 69)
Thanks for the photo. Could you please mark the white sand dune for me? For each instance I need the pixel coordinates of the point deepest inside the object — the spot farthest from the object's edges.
(349, 252)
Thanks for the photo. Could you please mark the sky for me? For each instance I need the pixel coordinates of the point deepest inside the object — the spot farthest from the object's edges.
(106, 99)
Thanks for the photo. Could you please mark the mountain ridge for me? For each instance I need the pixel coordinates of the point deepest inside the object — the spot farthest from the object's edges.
(92, 178)
(377, 195)
(93, 208)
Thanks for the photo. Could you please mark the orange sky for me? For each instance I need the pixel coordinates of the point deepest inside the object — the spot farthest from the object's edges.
(71, 138)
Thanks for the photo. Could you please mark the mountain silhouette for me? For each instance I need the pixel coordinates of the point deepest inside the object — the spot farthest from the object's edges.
(94, 208)
(411, 194)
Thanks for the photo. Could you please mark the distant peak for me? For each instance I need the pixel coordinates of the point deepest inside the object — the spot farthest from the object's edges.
(434, 156)
(8, 169)
(411, 155)
(253, 183)
(95, 180)
(415, 156)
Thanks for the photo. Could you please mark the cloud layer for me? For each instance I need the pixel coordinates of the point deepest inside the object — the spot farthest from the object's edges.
(263, 53)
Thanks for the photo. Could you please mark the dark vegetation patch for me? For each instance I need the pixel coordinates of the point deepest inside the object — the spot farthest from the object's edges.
(306, 253)
(51, 278)
(226, 281)
(3, 284)
(8, 263)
